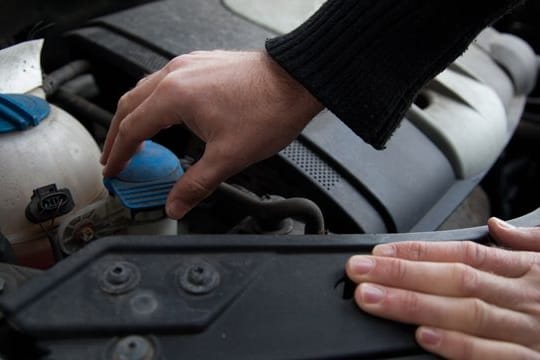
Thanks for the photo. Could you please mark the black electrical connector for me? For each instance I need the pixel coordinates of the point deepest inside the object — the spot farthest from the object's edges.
(48, 202)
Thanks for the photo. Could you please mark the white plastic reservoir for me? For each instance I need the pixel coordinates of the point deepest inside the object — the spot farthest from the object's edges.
(58, 150)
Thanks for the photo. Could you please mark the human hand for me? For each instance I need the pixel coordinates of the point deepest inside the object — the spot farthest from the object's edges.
(471, 301)
(241, 104)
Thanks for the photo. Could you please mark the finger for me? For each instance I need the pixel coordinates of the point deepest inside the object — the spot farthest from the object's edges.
(445, 279)
(198, 183)
(467, 315)
(127, 103)
(456, 345)
(152, 115)
(515, 238)
(489, 259)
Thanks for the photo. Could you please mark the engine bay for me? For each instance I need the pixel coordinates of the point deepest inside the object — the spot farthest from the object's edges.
(464, 152)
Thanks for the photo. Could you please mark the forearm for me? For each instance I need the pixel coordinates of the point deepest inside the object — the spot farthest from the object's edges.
(365, 60)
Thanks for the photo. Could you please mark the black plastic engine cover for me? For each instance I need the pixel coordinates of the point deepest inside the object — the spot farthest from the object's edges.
(409, 186)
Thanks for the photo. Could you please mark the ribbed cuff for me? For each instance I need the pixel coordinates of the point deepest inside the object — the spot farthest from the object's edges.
(365, 60)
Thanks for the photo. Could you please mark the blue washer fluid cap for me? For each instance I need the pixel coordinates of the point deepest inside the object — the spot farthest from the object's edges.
(147, 179)
(18, 112)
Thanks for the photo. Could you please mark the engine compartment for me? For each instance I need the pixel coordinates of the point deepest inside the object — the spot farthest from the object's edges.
(457, 128)
(434, 175)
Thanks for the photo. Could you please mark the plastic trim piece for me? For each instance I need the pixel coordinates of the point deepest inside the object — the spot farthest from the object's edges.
(283, 290)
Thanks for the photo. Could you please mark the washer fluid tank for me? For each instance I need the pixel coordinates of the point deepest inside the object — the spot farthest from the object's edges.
(42, 145)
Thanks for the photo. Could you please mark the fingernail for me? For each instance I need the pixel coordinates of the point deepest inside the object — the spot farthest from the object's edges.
(430, 337)
(384, 250)
(361, 265)
(176, 210)
(504, 224)
(371, 294)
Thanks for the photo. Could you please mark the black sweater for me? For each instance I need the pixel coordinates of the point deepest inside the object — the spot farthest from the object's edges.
(365, 60)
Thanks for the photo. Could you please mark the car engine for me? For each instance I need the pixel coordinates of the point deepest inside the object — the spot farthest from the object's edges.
(464, 152)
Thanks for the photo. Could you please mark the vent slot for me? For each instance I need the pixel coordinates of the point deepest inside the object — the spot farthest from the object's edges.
(312, 165)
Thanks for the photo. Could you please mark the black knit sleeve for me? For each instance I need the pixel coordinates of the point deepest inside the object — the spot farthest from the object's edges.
(365, 60)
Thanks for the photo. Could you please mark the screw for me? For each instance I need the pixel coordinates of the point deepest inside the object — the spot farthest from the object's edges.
(133, 348)
(198, 279)
(2, 285)
(199, 276)
(120, 278)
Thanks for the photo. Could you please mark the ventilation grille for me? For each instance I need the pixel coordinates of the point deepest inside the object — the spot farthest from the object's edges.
(312, 165)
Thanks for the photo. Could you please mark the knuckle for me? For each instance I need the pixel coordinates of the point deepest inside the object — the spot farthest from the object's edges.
(124, 101)
(479, 315)
(467, 277)
(527, 262)
(176, 63)
(124, 130)
(199, 52)
(411, 305)
(167, 84)
(172, 85)
(475, 255)
(398, 269)
(143, 79)
(417, 250)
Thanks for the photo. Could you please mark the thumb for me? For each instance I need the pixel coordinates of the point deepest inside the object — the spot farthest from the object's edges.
(527, 239)
(199, 181)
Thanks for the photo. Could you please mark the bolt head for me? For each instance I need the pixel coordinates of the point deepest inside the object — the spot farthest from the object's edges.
(199, 275)
(120, 277)
(198, 278)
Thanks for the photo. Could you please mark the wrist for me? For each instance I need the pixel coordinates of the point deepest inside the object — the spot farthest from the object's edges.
(288, 89)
